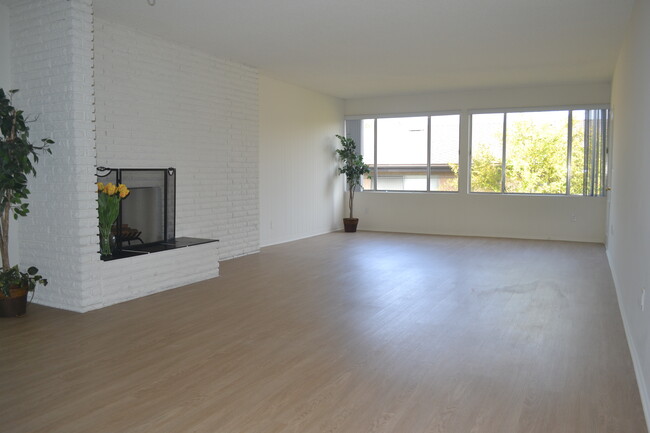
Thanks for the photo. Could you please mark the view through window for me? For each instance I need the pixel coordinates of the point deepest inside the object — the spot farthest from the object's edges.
(539, 152)
(417, 153)
(557, 152)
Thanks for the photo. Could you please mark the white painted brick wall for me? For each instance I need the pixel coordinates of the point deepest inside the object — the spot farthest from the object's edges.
(52, 51)
(157, 105)
(125, 279)
(161, 105)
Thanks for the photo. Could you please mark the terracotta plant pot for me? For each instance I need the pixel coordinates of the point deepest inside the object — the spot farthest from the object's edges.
(350, 224)
(15, 305)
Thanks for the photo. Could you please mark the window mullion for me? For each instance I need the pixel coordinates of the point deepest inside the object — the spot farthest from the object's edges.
(594, 160)
(503, 156)
(428, 153)
(594, 153)
(601, 146)
(586, 170)
(376, 170)
(569, 153)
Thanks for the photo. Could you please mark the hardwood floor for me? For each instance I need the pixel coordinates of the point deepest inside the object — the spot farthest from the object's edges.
(365, 332)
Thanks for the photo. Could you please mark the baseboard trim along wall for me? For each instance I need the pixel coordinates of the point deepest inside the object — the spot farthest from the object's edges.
(638, 371)
(284, 241)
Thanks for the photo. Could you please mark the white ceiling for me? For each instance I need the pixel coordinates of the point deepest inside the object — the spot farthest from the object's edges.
(359, 48)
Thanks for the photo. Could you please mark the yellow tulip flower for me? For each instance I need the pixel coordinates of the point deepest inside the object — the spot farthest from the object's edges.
(110, 189)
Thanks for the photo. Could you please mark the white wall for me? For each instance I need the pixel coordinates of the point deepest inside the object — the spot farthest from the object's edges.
(532, 217)
(629, 237)
(538, 96)
(163, 105)
(5, 47)
(52, 66)
(159, 104)
(524, 217)
(300, 192)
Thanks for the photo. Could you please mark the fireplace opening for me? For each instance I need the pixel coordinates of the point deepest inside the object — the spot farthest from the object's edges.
(142, 216)
(148, 215)
(147, 219)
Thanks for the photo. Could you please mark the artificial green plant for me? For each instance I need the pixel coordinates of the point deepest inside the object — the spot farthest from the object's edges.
(17, 159)
(352, 166)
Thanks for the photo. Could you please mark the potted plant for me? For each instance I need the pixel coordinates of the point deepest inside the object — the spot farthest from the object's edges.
(353, 167)
(17, 159)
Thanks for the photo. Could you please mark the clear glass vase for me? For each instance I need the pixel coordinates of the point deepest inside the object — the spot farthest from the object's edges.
(105, 247)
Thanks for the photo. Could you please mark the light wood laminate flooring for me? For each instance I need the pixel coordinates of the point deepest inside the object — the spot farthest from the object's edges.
(365, 332)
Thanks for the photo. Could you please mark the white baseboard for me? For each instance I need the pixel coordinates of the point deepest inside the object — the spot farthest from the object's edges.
(284, 241)
(636, 361)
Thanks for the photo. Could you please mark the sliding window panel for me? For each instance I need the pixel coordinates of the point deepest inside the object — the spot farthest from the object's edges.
(402, 154)
(536, 152)
(367, 150)
(445, 140)
(596, 124)
(578, 176)
(487, 152)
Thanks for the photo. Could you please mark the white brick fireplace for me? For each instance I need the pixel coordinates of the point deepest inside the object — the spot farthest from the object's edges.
(110, 96)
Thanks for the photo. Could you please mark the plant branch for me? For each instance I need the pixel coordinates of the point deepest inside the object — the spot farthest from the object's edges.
(4, 229)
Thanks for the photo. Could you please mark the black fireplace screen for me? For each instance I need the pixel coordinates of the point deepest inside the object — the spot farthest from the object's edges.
(148, 215)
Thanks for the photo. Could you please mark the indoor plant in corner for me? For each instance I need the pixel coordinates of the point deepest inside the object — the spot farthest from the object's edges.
(17, 159)
(354, 168)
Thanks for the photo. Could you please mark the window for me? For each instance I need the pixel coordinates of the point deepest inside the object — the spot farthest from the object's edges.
(550, 152)
(418, 153)
(539, 152)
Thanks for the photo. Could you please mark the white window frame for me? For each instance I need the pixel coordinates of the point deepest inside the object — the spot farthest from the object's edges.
(604, 181)
(428, 115)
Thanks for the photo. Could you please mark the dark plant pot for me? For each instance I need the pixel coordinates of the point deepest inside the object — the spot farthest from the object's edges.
(350, 224)
(15, 305)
